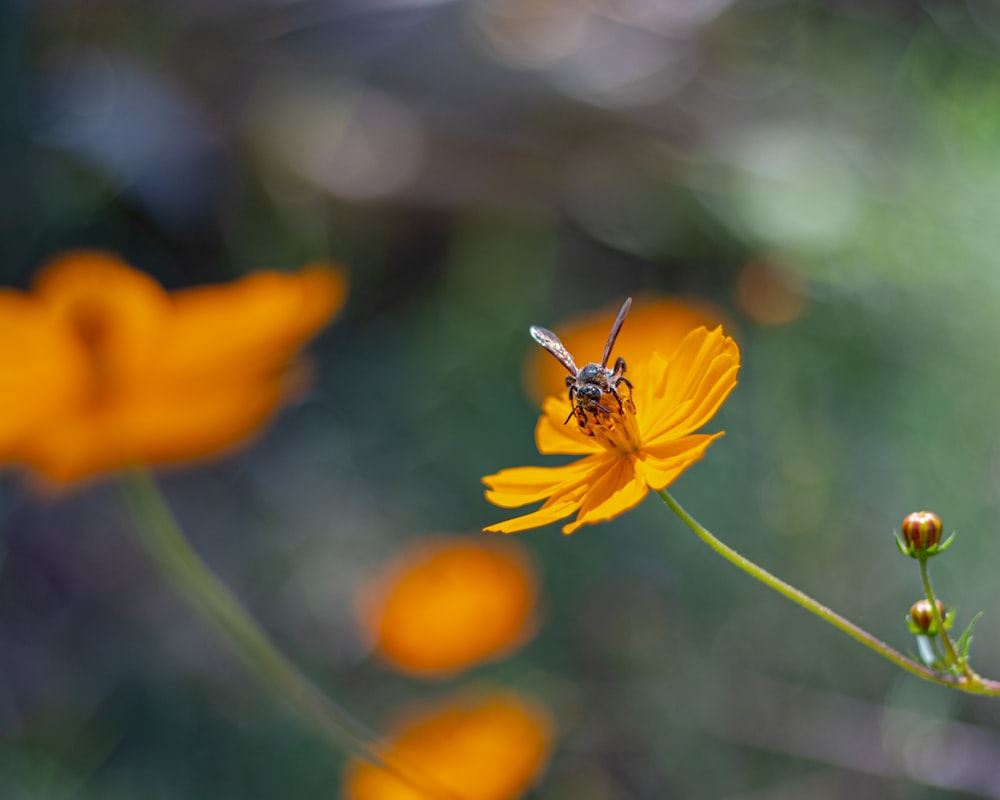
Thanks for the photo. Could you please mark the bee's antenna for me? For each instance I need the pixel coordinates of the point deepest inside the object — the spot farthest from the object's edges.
(615, 328)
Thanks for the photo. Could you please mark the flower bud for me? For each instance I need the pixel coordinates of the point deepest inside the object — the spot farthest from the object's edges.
(922, 535)
(921, 617)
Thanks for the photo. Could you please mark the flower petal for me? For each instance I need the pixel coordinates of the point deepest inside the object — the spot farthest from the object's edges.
(559, 506)
(115, 372)
(660, 465)
(252, 325)
(554, 436)
(445, 604)
(116, 313)
(694, 413)
(692, 387)
(44, 371)
(519, 486)
(616, 491)
(485, 744)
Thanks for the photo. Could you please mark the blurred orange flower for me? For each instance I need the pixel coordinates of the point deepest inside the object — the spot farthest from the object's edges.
(644, 444)
(655, 323)
(102, 369)
(447, 604)
(770, 293)
(478, 746)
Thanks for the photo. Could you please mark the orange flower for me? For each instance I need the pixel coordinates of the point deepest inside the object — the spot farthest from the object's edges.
(655, 323)
(103, 369)
(646, 444)
(447, 604)
(476, 746)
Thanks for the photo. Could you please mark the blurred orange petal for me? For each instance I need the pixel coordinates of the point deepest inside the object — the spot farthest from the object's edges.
(43, 371)
(446, 604)
(160, 428)
(251, 325)
(655, 324)
(478, 746)
(113, 312)
(111, 371)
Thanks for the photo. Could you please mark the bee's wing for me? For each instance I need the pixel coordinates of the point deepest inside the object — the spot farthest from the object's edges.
(619, 320)
(550, 342)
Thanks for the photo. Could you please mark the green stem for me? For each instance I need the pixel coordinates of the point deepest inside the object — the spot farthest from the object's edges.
(164, 542)
(976, 685)
(951, 656)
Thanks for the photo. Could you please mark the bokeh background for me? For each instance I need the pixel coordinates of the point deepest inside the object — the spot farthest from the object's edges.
(825, 174)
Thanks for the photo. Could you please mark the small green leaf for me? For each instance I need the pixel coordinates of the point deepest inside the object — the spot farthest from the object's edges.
(945, 544)
(965, 640)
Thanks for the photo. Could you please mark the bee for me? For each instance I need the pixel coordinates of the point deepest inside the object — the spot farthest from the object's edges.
(588, 385)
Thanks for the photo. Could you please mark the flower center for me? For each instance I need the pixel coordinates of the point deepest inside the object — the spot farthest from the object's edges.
(93, 328)
(615, 429)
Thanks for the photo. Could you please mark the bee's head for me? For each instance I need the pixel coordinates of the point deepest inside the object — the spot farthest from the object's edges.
(589, 392)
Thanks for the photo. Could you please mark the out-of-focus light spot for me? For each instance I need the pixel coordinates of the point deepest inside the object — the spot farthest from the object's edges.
(76, 99)
(770, 294)
(794, 188)
(986, 15)
(529, 33)
(922, 740)
(673, 17)
(615, 191)
(447, 604)
(609, 53)
(349, 140)
(133, 125)
(617, 66)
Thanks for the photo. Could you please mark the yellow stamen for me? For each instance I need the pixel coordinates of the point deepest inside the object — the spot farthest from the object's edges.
(615, 430)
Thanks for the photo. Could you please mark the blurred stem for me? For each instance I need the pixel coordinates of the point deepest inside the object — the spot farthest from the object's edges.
(968, 683)
(166, 545)
(951, 657)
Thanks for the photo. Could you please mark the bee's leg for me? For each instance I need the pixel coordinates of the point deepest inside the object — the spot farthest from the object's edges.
(614, 391)
(572, 396)
(616, 378)
(627, 382)
(571, 385)
(581, 418)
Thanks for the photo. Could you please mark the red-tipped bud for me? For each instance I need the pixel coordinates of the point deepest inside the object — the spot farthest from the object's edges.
(922, 535)
(922, 617)
(921, 530)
